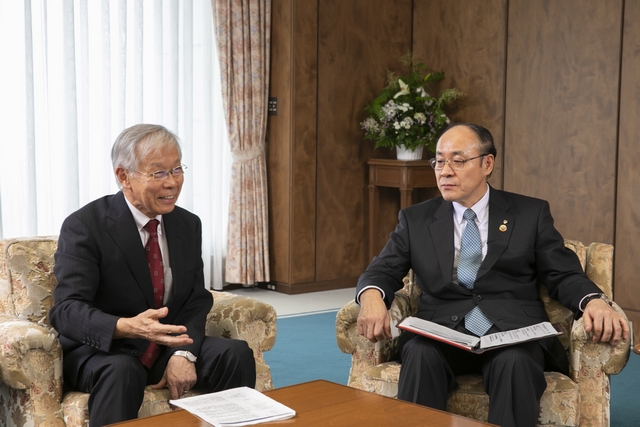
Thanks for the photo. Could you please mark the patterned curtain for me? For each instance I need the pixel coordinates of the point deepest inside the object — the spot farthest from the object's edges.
(243, 32)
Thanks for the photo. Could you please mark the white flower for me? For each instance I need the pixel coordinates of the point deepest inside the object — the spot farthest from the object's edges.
(407, 122)
(370, 125)
(397, 125)
(420, 118)
(404, 89)
(389, 109)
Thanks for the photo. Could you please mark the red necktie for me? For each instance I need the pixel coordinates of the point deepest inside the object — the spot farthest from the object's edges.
(156, 269)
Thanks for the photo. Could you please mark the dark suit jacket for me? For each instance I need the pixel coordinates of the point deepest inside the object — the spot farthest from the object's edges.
(529, 252)
(103, 275)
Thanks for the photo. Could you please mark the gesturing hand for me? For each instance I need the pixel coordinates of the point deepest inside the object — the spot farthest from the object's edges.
(146, 325)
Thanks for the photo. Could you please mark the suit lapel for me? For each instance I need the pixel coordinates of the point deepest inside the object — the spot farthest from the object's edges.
(126, 236)
(441, 230)
(501, 224)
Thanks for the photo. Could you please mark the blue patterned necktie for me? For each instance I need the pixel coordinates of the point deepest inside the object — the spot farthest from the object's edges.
(468, 264)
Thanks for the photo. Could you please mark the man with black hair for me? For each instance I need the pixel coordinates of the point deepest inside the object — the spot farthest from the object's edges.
(478, 255)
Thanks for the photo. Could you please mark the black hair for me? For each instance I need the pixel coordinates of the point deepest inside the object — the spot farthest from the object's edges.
(484, 136)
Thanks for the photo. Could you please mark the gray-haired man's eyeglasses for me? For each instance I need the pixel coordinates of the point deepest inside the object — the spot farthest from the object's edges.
(177, 172)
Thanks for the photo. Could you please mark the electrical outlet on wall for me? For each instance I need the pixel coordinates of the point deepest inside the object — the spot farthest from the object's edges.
(272, 108)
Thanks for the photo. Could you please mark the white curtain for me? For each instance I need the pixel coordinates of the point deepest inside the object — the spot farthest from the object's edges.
(75, 73)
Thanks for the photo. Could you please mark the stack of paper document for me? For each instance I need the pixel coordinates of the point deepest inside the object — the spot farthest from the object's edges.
(235, 407)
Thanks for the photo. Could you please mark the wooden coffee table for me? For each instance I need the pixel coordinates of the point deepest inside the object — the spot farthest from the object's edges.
(323, 403)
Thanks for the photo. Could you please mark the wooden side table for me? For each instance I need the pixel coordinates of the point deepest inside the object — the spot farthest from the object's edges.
(402, 174)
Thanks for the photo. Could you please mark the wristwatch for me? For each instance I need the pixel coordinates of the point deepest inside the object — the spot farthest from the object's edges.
(591, 297)
(186, 354)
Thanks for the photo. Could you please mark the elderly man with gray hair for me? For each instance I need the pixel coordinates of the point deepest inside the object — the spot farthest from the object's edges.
(130, 305)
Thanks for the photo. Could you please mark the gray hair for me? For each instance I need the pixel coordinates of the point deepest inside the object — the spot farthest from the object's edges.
(137, 142)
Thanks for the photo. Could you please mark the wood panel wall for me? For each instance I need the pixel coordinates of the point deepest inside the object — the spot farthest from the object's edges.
(328, 59)
(353, 59)
(556, 82)
(292, 167)
(467, 39)
(562, 110)
(627, 219)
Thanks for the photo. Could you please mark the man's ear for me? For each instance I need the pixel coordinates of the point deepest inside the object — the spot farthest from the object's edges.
(488, 163)
(123, 177)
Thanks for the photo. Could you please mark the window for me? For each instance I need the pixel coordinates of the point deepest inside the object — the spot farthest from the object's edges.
(75, 74)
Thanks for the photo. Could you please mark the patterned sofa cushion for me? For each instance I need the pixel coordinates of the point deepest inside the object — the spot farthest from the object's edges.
(75, 405)
(26, 277)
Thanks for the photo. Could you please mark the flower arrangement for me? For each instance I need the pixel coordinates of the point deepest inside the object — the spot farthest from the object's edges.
(405, 114)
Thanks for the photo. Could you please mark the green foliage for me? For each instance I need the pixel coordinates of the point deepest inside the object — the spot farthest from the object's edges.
(404, 113)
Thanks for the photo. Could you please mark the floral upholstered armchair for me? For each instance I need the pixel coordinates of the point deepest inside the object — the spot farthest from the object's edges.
(31, 392)
(581, 399)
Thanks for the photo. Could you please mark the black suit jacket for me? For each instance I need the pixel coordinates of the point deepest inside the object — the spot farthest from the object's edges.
(103, 275)
(531, 251)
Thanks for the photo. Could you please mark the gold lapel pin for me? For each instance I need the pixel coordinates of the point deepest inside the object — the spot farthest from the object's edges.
(503, 227)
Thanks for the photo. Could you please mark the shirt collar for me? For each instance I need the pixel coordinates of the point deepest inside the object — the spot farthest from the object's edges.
(140, 218)
(480, 208)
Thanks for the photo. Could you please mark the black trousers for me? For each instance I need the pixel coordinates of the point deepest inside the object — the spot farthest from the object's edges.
(513, 378)
(116, 382)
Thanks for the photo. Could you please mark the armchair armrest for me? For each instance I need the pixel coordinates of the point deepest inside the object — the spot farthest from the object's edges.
(585, 354)
(591, 364)
(365, 354)
(31, 363)
(244, 318)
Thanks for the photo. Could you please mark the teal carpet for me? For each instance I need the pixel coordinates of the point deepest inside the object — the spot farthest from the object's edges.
(306, 350)
(625, 389)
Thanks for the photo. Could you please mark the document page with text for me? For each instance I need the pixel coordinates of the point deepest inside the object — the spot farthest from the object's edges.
(235, 407)
(529, 333)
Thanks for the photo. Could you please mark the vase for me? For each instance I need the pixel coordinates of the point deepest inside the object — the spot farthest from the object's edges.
(403, 153)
